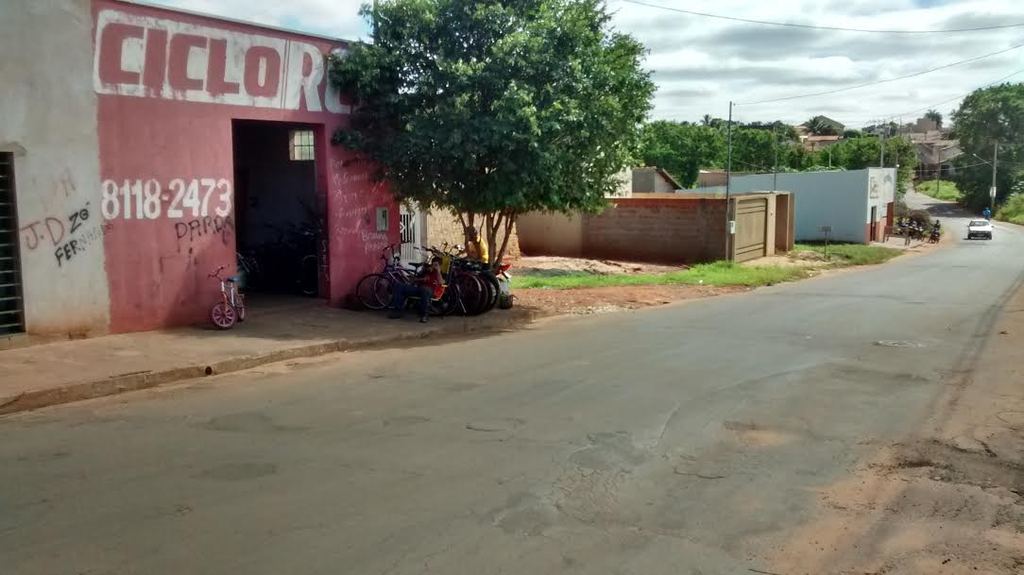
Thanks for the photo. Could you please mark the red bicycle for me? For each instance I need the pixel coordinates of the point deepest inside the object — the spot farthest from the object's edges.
(231, 309)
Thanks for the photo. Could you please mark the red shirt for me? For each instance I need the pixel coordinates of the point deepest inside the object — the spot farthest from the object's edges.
(434, 281)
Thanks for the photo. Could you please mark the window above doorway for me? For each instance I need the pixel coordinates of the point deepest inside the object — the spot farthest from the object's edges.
(300, 146)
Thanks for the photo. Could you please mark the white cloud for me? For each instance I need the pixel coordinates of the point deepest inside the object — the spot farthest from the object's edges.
(701, 63)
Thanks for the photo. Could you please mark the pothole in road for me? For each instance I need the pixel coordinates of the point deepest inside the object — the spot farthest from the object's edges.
(756, 435)
(898, 343)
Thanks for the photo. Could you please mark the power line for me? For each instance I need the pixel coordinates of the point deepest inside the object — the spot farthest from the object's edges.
(813, 27)
(937, 104)
(887, 80)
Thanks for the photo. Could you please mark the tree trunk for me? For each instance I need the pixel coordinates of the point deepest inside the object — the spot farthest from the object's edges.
(510, 222)
(497, 229)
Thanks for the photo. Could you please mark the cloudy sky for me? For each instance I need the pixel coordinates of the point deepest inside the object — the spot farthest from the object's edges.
(702, 63)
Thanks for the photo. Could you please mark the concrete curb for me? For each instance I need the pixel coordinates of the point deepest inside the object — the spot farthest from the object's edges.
(126, 382)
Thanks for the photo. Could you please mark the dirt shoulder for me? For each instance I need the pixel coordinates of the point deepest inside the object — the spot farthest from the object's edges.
(591, 300)
(610, 299)
(949, 500)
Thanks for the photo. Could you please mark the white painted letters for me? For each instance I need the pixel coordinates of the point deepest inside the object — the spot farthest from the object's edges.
(143, 56)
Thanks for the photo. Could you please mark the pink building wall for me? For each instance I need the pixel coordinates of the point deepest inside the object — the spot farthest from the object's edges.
(169, 85)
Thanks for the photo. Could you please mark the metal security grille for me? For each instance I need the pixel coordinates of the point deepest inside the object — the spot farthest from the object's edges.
(410, 235)
(12, 317)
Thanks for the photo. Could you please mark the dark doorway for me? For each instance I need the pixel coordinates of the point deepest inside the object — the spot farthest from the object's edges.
(278, 214)
(12, 317)
(874, 223)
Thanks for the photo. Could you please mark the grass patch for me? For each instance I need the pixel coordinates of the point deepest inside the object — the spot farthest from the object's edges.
(944, 191)
(1013, 210)
(713, 274)
(852, 254)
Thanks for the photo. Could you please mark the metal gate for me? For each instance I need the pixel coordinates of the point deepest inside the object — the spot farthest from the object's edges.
(410, 230)
(12, 316)
(751, 226)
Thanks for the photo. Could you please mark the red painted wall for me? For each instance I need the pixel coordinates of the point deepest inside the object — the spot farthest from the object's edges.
(169, 85)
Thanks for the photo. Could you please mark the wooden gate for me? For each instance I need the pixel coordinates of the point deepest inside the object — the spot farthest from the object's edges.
(751, 227)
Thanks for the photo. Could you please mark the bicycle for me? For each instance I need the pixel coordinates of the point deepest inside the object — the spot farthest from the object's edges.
(231, 309)
(374, 290)
(479, 288)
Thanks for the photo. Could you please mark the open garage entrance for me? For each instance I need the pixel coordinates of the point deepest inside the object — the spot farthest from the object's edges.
(279, 215)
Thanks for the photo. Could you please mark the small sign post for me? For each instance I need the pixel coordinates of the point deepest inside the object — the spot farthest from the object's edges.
(827, 230)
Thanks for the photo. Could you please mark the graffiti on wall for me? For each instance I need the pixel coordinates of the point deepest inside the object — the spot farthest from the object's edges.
(68, 236)
(157, 58)
(146, 199)
(351, 193)
(199, 228)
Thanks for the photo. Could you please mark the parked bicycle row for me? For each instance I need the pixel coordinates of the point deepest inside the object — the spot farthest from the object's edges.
(446, 283)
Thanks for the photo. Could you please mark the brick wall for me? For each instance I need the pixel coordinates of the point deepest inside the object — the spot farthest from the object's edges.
(444, 226)
(676, 230)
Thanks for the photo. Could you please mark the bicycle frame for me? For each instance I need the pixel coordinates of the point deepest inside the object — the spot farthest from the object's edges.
(228, 290)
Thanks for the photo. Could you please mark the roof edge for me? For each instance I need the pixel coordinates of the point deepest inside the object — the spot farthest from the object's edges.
(149, 4)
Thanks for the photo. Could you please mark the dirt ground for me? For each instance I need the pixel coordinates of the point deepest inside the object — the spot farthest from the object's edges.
(610, 299)
(553, 266)
(604, 299)
(949, 500)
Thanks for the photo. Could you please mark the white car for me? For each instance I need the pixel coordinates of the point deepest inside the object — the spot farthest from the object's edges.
(979, 229)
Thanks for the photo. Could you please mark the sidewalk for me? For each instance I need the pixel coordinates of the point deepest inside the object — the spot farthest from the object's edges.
(55, 373)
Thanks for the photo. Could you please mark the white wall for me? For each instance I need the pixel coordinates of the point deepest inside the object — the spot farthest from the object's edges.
(48, 118)
(838, 199)
(881, 191)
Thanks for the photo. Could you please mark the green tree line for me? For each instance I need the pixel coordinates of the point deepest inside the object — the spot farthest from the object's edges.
(684, 148)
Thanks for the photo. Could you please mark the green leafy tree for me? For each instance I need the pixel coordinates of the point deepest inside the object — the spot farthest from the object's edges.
(682, 149)
(860, 153)
(988, 117)
(493, 108)
(752, 150)
(819, 127)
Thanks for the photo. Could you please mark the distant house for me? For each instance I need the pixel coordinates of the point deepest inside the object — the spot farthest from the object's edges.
(837, 127)
(814, 143)
(650, 180)
(934, 151)
(645, 180)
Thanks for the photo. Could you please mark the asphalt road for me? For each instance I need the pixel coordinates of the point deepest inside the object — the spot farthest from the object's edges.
(681, 439)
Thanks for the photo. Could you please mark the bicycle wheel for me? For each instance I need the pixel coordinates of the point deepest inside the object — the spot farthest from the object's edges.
(471, 293)
(223, 315)
(492, 290)
(309, 278)
(374, 291)
(448, 304)
(240, 307)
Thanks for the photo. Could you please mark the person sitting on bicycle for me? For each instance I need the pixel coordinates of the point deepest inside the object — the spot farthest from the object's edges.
(428, 286)
(476, 247)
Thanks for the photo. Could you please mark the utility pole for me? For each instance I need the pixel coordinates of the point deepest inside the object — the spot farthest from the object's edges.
(775, 150)
(995, 162)
(881, 147)
(728, 187)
